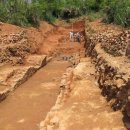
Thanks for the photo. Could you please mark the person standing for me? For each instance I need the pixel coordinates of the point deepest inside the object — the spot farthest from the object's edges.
(71, 36)
(78, 36)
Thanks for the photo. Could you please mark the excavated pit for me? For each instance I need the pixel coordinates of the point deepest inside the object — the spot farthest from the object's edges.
(79, 105)
(29, 103)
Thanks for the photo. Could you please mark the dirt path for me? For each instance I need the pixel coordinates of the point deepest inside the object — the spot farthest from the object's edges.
(29, 104)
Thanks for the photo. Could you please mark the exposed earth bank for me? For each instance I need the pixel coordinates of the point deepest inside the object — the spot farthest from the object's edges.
(94, 90)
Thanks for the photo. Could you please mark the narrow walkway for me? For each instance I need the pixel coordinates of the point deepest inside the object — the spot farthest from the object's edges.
(29, 104)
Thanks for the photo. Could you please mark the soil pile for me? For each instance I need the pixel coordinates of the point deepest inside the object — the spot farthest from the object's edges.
(14, 47)
(17, 43)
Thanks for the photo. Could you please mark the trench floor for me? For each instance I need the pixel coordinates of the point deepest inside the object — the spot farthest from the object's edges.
(28, 105)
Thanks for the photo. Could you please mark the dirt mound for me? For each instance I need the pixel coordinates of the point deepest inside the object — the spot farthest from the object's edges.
(16, 43)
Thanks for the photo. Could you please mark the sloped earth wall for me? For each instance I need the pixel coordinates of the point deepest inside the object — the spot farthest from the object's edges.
(113, 75)
(11, 78)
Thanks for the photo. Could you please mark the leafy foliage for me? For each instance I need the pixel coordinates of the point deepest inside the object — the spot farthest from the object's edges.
(24, 13)
(119, 12)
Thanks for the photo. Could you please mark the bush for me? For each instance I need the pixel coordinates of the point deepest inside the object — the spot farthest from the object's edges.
(15, 12)
(34, 14)
(95, 15)
(21, 13)
(118, 12)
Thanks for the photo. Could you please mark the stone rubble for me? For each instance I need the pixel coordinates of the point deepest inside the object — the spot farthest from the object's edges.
(108, 50)
(113, 42)
(14, 47)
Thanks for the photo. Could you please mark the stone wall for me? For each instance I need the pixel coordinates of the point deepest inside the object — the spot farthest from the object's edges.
(113, 74)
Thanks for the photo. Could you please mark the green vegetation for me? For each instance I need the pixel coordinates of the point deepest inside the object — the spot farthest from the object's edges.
(118, 12)
(22, 13)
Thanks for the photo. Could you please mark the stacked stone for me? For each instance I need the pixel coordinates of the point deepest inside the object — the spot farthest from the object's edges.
(51, 121)
(114, 83)
(65, 85)
(13, 38)
(89, 45)
(113, 42)
(14, 47)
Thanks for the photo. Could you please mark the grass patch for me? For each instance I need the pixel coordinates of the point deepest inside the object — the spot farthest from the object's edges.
(92, 16)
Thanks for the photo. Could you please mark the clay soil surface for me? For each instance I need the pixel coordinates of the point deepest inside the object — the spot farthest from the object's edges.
(84, 108)
(28, 105)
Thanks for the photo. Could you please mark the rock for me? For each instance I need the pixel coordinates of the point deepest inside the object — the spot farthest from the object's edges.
(128, 109)
(13, 77)
(128, 50)
(14, 47)
(36, 60)
(119, 83)
(112, 71)
(50, 127)
(78, 72)
(44, 128)
(54, 122)
(112, 42)
(1, 23)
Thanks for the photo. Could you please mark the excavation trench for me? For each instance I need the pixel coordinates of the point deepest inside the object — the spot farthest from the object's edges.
(87, 99)
(78, 106)
(29, 104)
